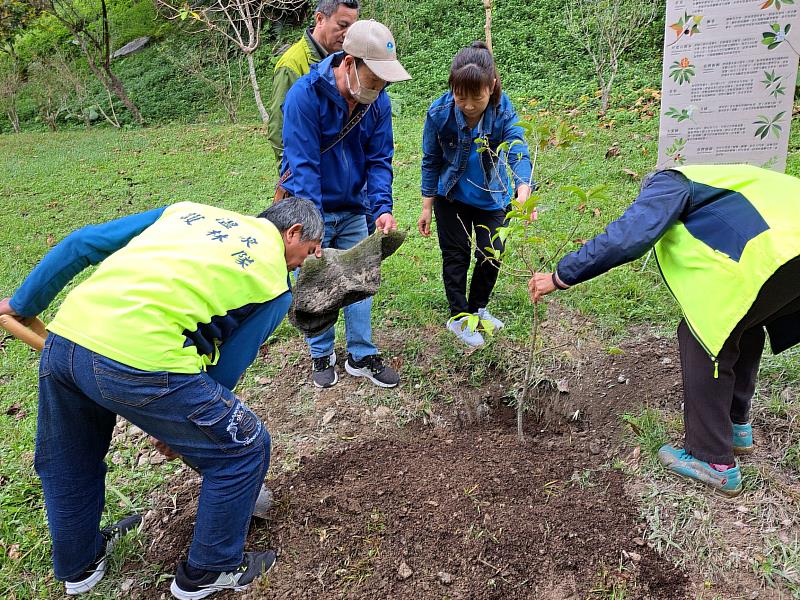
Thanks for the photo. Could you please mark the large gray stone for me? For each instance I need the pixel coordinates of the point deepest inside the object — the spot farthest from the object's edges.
(131, 47)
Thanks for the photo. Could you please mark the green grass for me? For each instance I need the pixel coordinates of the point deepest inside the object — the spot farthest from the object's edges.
(52, 184)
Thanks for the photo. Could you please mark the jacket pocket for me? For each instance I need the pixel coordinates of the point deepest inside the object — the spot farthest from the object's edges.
(126, 385)
(229, 423)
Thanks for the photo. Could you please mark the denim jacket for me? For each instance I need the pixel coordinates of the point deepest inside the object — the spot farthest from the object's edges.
(447, 139)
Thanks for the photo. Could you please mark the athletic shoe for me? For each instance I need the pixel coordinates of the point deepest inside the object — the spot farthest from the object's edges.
(323, 371)
(254, 565)
(680, 462)
(95, 571)
(460, 327)
(485, 315)
(372, 368)
(742, 438)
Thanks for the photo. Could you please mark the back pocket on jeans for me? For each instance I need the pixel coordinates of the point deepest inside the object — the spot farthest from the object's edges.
(126, 385)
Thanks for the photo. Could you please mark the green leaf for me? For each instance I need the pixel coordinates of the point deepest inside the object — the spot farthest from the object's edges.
(575, 190)
(775, 27)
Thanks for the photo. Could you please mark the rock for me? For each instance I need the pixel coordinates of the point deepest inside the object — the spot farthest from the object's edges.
(131, 47)
(634, 556)
(126, 586)
(143, 460)
(666, 361)
(117, 459)
(404, 571)
(328, 416)
(563, 386)
(594, 447)
(157, 458)
(383, 413)
(445, 577)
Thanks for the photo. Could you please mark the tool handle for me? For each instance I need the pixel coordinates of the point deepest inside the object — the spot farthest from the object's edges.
(33, 334)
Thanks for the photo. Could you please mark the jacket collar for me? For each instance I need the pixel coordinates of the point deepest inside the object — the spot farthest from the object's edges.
(316, 49)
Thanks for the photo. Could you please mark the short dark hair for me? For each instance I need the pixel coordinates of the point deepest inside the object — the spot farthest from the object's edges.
(291, 211)
(473, 69)
(328, 7)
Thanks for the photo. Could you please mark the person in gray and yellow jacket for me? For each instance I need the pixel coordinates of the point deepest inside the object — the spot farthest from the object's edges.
(727, 242)
(332, 19)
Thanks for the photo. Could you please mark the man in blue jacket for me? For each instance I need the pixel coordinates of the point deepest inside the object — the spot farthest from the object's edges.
(338, 148)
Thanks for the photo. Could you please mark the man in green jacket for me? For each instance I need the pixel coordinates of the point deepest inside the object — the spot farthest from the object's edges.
(332, 19)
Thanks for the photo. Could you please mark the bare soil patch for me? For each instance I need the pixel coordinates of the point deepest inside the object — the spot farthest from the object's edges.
(450, 504)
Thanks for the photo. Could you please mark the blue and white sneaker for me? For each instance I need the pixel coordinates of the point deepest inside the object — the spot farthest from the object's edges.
(485, 315)
(683, 464)
(461, 328)
(742, 438)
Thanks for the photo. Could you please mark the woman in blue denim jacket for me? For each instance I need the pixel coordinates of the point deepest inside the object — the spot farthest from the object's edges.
(469, 190)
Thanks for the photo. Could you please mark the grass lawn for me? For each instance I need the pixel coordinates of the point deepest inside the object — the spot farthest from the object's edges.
(51, 184)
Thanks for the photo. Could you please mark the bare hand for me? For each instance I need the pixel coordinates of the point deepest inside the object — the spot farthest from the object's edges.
(386, 223)
(164, 449)
(424, 222)
(5, 308)
(523, 193)
(540, 285)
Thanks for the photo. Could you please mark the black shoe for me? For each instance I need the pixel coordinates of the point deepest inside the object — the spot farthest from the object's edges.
(254, 565)
(372, 368)
(95, 571)
(323, 371)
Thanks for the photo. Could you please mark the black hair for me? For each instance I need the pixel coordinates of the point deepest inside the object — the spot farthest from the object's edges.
(328, 7)
(473, 70)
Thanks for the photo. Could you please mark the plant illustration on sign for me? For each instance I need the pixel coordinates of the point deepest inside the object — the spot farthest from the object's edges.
(777, 3)
(773, 83)
(775, 36)
(686, 25)
(681, 71)
(675, 150)
(767, 125)
(680, 114)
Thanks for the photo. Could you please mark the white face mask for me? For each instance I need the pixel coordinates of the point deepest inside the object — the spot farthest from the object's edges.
(362, 95)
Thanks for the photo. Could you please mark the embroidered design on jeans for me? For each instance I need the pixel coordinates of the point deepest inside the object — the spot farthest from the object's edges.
(243, 426)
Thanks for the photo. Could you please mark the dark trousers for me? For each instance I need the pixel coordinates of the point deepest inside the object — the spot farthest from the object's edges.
(712, 405)
(455, 223)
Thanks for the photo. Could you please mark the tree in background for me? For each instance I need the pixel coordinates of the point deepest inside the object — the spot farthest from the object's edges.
(49, 90)
(219, 66)
(88, 22)
(237, 20)
(606, 29)
(15, 15)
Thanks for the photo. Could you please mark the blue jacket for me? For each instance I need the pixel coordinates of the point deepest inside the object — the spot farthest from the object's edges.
(662, 201)
(446, 143)
(356, 174)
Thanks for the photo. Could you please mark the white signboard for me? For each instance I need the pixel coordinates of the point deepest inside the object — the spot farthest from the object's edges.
(730, 68)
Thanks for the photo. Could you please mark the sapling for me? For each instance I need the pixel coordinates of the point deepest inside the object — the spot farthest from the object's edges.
(525, 250)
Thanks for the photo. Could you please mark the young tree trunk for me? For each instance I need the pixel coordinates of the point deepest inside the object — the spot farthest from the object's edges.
(13, 117)
(487, 5)
(251, 66)
(109, 81)
(606, 89)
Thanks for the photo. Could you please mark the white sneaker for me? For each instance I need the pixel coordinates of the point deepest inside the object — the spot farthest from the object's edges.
(485, 315)
(464, 333)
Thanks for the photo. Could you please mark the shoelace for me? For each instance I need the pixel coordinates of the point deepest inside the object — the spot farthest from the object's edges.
(374, 363)
(321, 363)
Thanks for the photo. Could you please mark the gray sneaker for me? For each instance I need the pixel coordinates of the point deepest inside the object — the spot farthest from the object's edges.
(464, 333)
(323, 371)
(254, 565)
(372, 368)
(485, 315)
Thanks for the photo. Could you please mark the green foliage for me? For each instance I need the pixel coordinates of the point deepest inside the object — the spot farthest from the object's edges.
(537, 59)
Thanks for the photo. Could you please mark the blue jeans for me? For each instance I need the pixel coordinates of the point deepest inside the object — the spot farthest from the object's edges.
(343, 230)
(80, 394)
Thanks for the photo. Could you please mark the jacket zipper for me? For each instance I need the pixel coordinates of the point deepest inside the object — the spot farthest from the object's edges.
(688, 324)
